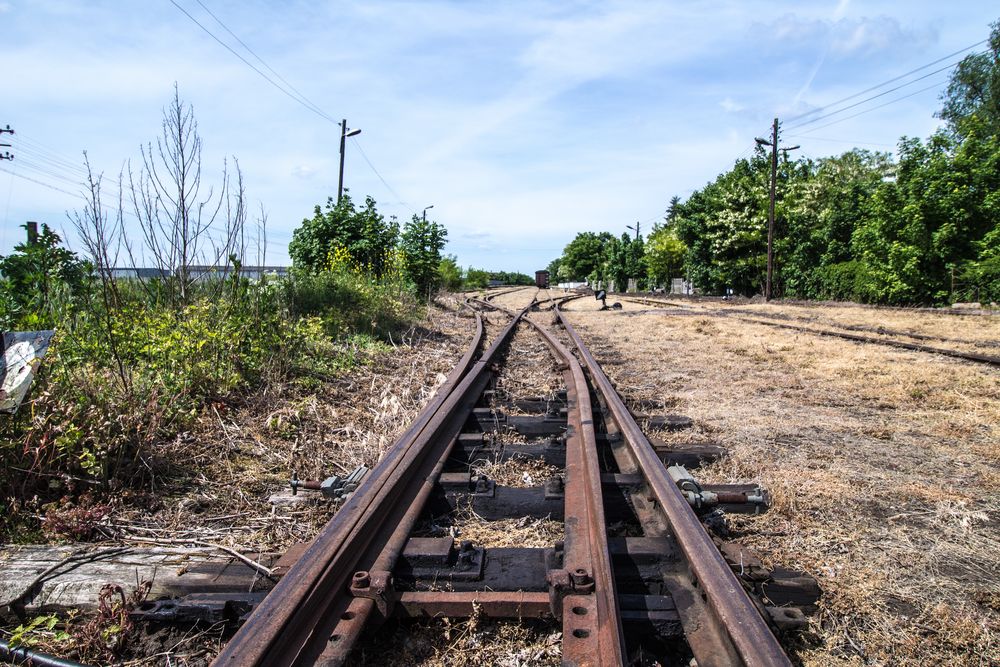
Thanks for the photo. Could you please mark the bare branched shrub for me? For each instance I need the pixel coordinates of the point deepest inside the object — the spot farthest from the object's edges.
(102, 237)
(186, 233)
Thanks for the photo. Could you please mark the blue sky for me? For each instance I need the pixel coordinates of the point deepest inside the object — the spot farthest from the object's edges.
(523, 123)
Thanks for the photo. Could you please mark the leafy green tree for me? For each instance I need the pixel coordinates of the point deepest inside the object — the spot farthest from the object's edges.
(824, 202)
(512, 278)
(583, 256)
(724, 226)
(974, 89)
(449, 274)
(422, 242)
(673, 209)
(664, 253)
(34, 277)
(476, 278)
(364, 233)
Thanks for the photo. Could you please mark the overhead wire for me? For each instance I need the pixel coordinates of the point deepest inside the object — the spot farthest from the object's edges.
(33, 180)
(793, 126)
(875, 108)
(837, 141)
(297, 96)
(319, 112)
(311, 104)
(357, 144)
(26, 143)
(885, 83)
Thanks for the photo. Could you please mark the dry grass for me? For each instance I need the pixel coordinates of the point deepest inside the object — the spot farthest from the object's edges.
(882, 465)
(972, 327)
(465, 524)
(472, 642)
(245, 454)
(531, 370)
(517, 299)
(516, 472)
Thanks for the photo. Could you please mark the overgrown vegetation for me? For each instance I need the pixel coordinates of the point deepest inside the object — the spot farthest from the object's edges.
(138, 356)
(920, 227)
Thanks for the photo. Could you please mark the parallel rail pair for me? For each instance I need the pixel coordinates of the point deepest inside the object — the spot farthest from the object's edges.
(668, 590)
(765, 319)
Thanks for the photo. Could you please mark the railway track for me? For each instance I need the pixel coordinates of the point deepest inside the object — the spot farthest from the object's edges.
(637, 579)
(830, 330)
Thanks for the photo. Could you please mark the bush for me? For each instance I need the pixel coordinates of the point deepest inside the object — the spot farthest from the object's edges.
(841, 282)
(121, 379)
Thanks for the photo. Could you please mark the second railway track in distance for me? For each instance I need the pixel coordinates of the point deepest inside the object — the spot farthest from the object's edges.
(641, 574)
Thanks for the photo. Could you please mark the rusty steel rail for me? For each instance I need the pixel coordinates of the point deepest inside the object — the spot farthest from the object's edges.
(617, 597)
(890, 342)
(856, 338)
(294, 623)
(751, 640)
(592, 626)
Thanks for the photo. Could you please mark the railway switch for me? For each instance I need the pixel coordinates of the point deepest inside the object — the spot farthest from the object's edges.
(335, 487)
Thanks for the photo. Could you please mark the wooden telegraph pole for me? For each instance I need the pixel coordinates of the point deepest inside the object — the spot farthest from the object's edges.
(773, 143)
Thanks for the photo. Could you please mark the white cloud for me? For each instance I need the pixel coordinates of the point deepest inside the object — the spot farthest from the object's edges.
(524, 121)
(846, 37)
(730, 106)
(304, 171)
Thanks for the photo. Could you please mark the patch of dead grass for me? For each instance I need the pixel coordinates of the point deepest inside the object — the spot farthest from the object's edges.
(516, 472)
(469, 642)
(465, 524)
(881, 464)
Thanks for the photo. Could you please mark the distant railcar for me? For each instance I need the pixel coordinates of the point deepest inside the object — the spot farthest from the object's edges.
(542, 279)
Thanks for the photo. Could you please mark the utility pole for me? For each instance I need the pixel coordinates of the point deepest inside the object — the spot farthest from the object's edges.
(7, 155)
(770, 216)
(636, 228)
(344, 133)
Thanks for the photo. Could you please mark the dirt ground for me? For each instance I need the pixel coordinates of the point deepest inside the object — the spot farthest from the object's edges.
(882, 463)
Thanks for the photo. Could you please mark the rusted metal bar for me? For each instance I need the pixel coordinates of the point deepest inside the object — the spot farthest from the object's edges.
(492, 604)
(752, 640)
(284, 626)
(592, 626)
(857, 338)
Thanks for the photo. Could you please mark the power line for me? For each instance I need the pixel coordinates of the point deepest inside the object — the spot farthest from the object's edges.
(260, 60)
(300, 98)
(837, 141)
(361, 150)
(884, 83)
(49, 171)
(304, 103)
(29, 144)
(869, 99)
(46, 185)
(880, 106)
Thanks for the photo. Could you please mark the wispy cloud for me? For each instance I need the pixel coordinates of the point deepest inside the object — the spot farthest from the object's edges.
(731, 106)
(523, 121)
(848, 37)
